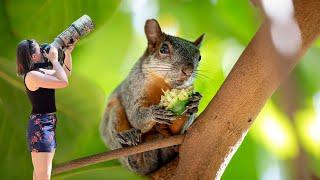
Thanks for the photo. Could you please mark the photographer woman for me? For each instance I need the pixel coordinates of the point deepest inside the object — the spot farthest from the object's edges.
(40, 85)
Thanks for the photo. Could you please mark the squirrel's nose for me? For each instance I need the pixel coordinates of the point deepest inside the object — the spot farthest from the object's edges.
(187, 71)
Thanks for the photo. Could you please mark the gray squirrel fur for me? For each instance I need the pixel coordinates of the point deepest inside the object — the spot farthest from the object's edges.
(132, 114)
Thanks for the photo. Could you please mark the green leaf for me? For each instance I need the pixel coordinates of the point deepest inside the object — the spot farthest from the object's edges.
(7, 40)
(223, 19)
(44, 20)
(307, 73)
(244, 162)
(274, 131)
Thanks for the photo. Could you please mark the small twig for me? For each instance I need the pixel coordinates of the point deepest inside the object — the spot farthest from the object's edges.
(117, 153)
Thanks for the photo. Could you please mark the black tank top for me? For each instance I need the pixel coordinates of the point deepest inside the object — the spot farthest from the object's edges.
(42, 100)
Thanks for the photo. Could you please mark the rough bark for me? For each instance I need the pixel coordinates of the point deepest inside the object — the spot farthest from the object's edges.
(213, 138)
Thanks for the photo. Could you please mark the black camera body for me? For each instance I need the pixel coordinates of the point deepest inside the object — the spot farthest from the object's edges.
(45, 48)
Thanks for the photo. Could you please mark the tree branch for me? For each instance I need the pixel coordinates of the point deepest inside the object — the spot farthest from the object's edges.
(117, 153)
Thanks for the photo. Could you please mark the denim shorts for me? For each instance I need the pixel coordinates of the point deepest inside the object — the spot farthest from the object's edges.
(41, 132)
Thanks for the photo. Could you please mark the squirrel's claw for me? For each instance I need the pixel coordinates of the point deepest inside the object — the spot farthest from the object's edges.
(162, 115)
(164, 118)
(163, 121)
(131, 137)
(164, 112)
(193, 104)
(196, 97)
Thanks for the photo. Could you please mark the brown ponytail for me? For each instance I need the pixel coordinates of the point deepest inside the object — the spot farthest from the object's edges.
(25, 49)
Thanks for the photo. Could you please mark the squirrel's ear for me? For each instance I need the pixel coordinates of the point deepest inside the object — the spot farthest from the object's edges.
(198, 41)
(153, 32)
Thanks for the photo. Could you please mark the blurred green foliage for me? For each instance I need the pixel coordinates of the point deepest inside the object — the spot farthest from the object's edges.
(103, 59)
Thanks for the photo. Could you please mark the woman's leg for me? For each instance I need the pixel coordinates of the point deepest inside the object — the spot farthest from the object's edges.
(42, 164)
(34, 175)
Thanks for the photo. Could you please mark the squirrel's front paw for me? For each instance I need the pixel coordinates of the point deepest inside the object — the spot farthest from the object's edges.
(162, 115)
(192, 106)
(131, 137)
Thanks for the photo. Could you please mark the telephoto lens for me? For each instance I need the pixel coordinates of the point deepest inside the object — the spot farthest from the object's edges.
(78, 29)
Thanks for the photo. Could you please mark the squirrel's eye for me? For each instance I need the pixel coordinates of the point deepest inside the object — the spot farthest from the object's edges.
(199, 58)
(164, 49)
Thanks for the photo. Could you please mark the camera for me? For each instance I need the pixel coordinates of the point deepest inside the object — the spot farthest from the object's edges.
(45, 48)
(79, 28)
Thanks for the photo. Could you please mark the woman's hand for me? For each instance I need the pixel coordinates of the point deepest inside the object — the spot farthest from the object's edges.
(52, 55)
(69, 49)
(68, 60)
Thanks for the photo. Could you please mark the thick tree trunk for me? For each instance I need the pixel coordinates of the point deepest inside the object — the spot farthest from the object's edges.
(212, 140)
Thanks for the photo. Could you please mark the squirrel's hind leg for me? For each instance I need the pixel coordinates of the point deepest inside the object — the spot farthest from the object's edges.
(131, 137)
(142, 163)
(113, 122)
(149, 161)
(117, 132)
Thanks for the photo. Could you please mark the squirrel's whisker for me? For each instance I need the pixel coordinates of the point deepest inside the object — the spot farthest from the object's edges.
(201, 70)
(198, 72)
(202, 76)
(201, 79)
(155, 66)
(160, 65)
(147, 70)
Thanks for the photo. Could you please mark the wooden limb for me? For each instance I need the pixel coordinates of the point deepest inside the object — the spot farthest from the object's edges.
(115, 154)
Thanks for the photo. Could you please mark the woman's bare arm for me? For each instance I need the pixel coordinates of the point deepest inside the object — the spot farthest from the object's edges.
(58, 79)
(34, 80)
(68, 61)
(60, 73)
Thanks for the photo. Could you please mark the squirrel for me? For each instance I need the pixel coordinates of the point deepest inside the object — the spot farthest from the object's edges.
(132, 114)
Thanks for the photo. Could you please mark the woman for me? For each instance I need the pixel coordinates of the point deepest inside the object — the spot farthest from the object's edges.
(40, 85)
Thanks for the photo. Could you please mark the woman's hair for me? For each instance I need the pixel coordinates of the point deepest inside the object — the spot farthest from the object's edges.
(25, 49)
